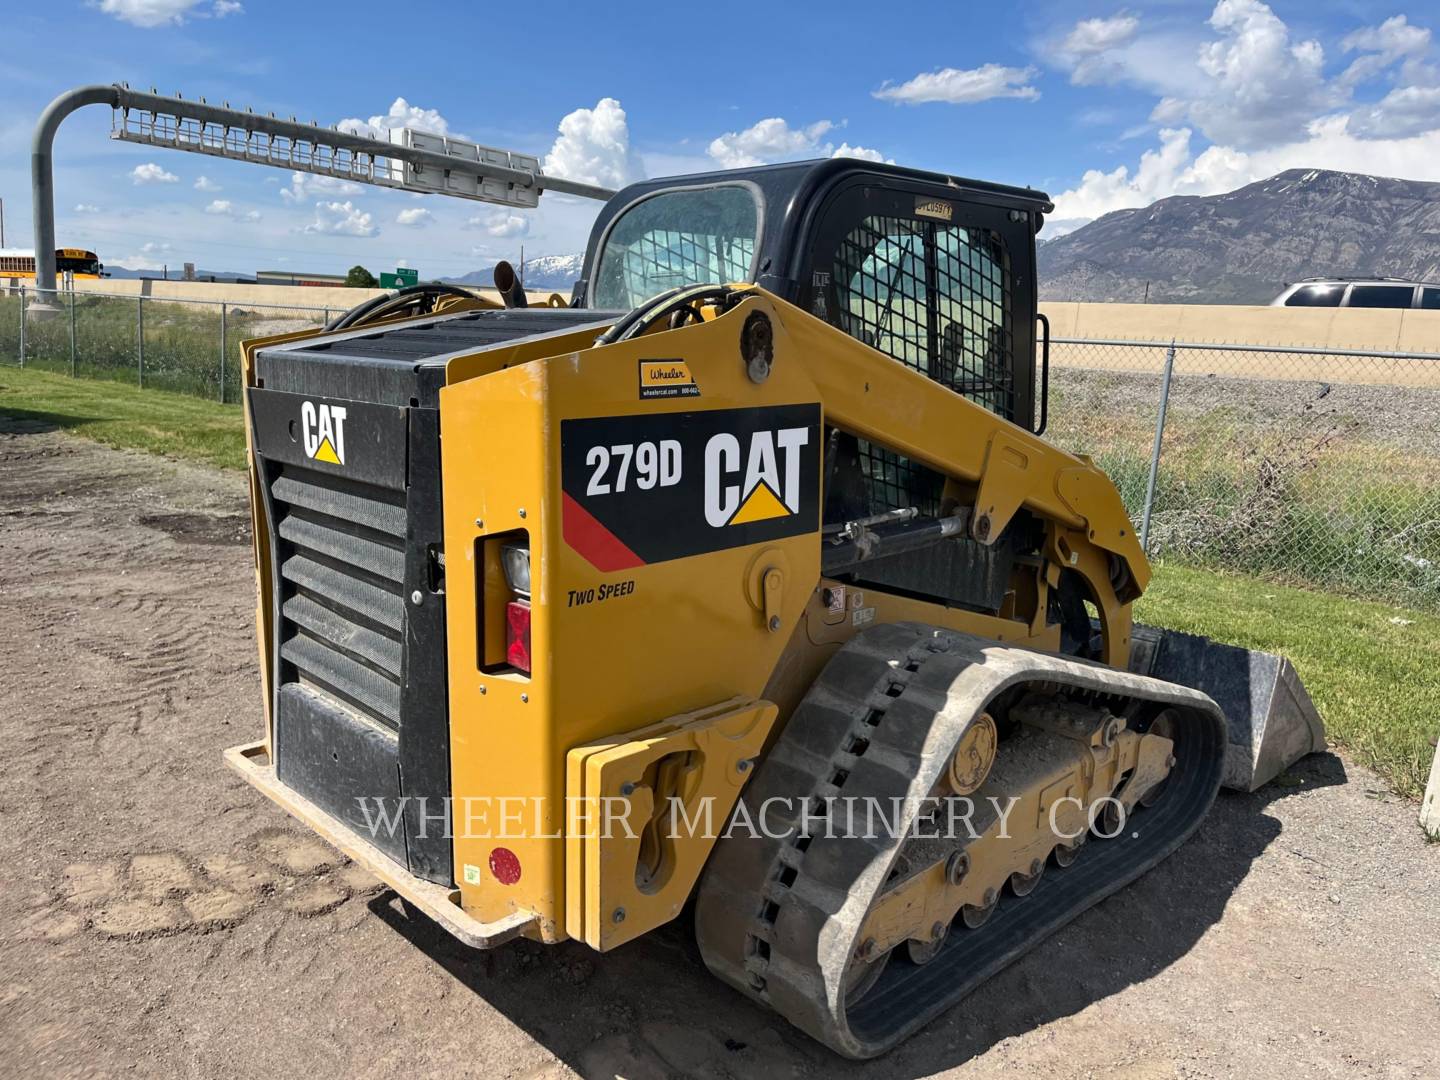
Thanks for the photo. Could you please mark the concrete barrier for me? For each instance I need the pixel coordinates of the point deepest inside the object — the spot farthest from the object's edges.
(1382, 329)
(212, 292)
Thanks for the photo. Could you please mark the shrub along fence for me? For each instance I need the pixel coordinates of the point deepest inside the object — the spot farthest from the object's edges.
(1310, 467)
(186, 346)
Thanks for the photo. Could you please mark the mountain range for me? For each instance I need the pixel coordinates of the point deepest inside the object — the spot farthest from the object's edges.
(1245, 246)
(557, 272)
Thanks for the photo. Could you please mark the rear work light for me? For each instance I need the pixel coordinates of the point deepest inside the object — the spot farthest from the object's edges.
(517, 635)
(515, 558)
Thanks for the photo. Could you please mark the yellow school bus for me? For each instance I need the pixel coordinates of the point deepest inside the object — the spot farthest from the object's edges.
(77, 261)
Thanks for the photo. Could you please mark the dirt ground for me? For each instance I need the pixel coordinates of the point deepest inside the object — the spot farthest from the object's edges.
(162, 919)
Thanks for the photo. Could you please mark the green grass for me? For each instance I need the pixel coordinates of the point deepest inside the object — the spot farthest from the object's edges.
(1372, 669)
(173, 425)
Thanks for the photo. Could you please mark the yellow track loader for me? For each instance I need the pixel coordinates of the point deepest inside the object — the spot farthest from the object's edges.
(743, 588)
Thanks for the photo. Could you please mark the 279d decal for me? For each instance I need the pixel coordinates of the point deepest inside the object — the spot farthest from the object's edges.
(654, 487)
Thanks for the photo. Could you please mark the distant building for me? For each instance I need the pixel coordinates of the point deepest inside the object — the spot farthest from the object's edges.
(290, 277)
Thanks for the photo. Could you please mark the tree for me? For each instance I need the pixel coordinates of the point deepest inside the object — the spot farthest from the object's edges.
(360, 278)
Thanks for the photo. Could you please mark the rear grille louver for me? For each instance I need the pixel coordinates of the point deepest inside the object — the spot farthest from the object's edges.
(342, 564)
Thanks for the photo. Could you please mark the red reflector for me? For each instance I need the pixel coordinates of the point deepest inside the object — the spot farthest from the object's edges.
(505, 865)
(517, 635)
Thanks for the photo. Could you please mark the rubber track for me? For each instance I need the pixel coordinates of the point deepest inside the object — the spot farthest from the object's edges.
(778, 918)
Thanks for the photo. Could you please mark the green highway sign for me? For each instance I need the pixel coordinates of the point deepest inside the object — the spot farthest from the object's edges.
(402, 277)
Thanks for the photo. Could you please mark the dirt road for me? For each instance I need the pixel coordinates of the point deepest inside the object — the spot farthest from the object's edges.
(160, 919)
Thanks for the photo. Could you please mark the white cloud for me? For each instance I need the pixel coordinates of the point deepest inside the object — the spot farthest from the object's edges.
(204, 183)
(152, 13)
(86, 208)
(1089, 49)
(1264, 103)
(1263, 85)
(226, 208)
(401, 115)
(1173, 170)
(150, 173)
(769, 140)
(864, 153)
(341, 219)
(305, 186)
(1407, 110)
(414, 217)
(1380, 46)
(594, 147)
(962, 86)
(502, 224)
(154, 248)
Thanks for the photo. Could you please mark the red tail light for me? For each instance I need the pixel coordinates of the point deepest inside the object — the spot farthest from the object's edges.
(517, 635)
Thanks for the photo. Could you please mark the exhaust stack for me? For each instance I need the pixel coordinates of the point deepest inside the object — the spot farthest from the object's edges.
(508, 284)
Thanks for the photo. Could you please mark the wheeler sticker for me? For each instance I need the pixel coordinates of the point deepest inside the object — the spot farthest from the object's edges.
(655, 487)
(666, 379)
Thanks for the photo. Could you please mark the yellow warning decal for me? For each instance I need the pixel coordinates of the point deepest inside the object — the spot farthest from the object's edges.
(666, 378)
(762, 505)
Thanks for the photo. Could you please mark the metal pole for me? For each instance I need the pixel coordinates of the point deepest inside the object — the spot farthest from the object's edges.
(140, 340)
(1155, 450)
(22, 326)
(72, 333)
(42, 180)
(222, 354)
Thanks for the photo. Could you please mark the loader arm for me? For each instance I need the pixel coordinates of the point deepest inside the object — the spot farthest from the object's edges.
(1003, 466)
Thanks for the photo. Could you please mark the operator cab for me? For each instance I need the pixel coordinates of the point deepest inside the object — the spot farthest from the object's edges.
(935, 271)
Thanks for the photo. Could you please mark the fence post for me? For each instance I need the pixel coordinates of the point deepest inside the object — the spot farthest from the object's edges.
(327, 318)
(1430, 808)
(72, 333)
(22, 326)
(1155, 450)
(140, 340)
(222, 354)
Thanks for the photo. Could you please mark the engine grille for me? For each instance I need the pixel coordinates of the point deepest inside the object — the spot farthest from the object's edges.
(342, 567)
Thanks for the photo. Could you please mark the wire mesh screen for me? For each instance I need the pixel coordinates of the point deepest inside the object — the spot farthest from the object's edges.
(936, 298)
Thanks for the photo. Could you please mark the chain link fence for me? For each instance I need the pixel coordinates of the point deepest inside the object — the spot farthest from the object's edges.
(185, 346)
(1312, 467)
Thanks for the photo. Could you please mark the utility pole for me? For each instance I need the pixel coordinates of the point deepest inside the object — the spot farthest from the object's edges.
(2, 223)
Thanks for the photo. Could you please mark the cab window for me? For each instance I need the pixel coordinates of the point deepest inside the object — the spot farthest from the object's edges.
(689, 236)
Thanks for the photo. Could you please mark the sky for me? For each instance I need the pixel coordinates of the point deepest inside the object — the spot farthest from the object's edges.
(1103, 105)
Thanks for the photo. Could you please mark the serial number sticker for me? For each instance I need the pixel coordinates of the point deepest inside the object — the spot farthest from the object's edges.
(934, 208)
(666, 379)
(863, 617)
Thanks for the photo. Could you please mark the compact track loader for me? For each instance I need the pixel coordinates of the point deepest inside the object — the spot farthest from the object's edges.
(743, 586)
